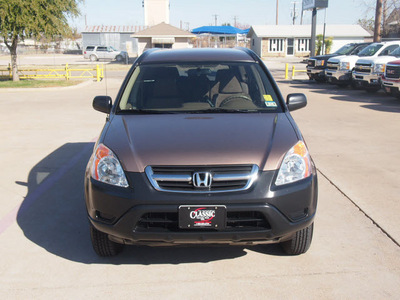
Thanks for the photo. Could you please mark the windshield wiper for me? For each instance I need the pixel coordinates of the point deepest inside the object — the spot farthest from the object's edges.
(221, 110)
(146, 111)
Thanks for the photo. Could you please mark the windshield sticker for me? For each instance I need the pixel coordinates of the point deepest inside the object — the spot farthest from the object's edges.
(268, 98)
(270, 104)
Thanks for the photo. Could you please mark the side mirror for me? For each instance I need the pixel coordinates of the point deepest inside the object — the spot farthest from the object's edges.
(296, 101)
(102, 104)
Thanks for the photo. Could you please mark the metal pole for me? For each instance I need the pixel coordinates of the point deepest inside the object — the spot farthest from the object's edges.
(313, 31)
(277, 11)
(323, 36)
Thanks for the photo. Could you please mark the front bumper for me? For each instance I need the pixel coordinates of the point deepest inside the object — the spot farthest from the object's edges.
(121, 213)
(338, 75)
(391, 83)
(372, 79)
(315, 71)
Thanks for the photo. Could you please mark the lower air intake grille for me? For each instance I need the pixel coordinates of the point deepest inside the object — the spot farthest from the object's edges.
(235, 221)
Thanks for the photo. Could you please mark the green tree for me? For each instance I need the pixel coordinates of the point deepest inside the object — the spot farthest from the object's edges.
(20, 19)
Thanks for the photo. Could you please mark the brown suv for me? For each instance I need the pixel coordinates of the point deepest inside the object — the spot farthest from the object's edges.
(200, 147)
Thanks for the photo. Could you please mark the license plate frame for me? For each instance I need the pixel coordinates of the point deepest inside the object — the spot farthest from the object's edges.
(202, 217)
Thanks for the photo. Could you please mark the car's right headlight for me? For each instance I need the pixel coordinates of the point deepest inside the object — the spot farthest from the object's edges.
(344, 65)
(295, 166)
(319, 63)
(107, 168)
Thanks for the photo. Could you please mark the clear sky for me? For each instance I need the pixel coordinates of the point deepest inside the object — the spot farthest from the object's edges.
(196, 13)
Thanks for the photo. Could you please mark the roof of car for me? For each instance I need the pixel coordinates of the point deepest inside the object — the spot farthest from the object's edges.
(197, 55)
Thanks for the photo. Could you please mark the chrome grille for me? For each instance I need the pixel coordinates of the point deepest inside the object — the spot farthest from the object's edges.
(363, 68)
(392, 71)
(180, 179)
(332, 66)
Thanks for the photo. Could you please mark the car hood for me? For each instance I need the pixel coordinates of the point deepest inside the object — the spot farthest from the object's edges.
(323, 57)
(344, 58)
(204, 139)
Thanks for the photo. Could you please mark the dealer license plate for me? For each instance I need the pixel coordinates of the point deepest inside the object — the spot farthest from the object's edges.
(202, 217)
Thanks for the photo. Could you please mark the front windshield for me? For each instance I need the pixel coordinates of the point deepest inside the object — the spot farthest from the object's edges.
(370, 50)
(112, 48)
(199, 88)
(346, 49)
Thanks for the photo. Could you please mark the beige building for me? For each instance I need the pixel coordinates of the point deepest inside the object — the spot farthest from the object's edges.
(162, 36)
(294, 40)
(156, 12)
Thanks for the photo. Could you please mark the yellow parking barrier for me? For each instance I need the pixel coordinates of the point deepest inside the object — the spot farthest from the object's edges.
(294, 71)
(66, 72)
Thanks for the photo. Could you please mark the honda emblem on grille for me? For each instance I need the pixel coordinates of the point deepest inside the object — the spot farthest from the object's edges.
(202, 179)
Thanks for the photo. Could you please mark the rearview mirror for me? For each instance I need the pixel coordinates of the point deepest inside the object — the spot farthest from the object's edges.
(296, 101)
(102, 104)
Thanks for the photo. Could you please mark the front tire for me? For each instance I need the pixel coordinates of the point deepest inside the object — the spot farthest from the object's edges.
(118, 58)
(300, 242)
(102, 245)
(372, 89)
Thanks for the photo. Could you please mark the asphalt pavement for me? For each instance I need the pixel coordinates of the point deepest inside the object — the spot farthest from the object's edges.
(47, 137)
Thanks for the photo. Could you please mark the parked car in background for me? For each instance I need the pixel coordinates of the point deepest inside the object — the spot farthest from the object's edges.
(391, 78)
(340, 68)
(95, 53)
(317, 65)
(368, 71)
(200, 147)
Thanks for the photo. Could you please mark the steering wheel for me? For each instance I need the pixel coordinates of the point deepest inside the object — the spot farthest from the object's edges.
(230, 98)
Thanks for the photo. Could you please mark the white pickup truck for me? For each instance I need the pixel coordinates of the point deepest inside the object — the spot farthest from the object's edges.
(368, 72)
(340, 68)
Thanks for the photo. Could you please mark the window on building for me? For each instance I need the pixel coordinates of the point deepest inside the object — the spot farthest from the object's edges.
(303, 45)
(276, 45)
(253, 41)
(163, 46)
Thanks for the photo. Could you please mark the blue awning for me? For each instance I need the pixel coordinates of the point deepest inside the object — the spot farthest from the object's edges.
(219, 30)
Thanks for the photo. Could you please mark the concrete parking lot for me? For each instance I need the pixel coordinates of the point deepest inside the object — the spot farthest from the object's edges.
(47, 137)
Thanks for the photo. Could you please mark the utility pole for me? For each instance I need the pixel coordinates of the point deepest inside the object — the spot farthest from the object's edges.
(277, 11)
(384, 11)
(378, 19)
(294, 13)
(235, 18)
(216, 19)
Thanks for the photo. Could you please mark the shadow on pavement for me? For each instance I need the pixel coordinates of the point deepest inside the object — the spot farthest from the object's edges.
(379, 101)
(53, 216)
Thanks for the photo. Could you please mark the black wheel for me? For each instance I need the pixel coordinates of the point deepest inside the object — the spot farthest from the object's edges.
(118, 58)
(342, 84)
(320, 79)
(102, 245)
(372, 89)
(300, 242)
(93, 57)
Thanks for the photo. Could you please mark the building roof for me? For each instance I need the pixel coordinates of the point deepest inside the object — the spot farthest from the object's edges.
(113, 29)
(283, 31)
(163, 30)
(219, 30)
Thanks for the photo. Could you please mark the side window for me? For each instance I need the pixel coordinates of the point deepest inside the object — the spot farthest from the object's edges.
(89, 48)
(101, 48)
(388, 50)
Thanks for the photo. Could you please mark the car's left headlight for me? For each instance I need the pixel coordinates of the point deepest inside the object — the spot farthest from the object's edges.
(379, 68)
(319, 63)
(106, 167)
(295, 166)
